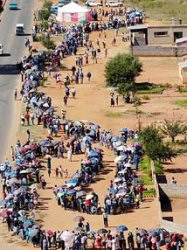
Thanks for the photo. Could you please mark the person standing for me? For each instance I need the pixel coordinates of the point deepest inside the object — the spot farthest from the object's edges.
(117, 100)
(28, 135)
(112, 102)
(105, 219)
(15, 94)
(89, 76)
(69, 154)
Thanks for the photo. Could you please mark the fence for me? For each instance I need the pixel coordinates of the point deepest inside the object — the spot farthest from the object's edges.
(161, 51)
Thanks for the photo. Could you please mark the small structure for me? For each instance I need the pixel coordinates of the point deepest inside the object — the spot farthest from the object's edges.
(158, 40)
(183, 71)
(181, 42)
(73, 12)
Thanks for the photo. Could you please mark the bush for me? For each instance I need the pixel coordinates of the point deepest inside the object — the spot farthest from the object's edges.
(47, 42)
(137, 101)
(43, 14)
(145, 97)
(44, 25)
(47, 5)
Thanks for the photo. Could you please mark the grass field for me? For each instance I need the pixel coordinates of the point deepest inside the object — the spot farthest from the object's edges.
(181, 103)
(162, 10)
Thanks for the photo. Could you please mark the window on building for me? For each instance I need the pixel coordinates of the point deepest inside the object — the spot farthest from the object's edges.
(161, 33)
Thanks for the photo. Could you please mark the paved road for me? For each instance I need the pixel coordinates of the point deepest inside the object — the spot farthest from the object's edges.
(14, 46)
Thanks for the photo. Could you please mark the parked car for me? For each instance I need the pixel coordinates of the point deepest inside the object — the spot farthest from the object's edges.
(114, 4)
(93, 4)
(13, 6)
(1, 49)
(19, 29)
(64, 2)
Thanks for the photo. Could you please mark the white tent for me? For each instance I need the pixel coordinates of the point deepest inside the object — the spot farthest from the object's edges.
(73, 12)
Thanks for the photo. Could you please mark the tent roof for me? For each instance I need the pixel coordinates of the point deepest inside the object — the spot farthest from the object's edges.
(72, 8)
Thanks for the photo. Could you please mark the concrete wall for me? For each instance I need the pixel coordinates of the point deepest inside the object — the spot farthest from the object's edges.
(169, 51)
(169, 38)
(173, 191)
(168, 225)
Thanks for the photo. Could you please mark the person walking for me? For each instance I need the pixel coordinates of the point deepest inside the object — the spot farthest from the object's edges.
(112, 102)
(15, 94)
(89, 76)
(65, 100)
(69, 154)
(73, 92)
(105, 219)
(28, 135)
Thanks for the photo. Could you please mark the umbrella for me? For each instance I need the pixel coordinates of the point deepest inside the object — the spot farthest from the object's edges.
(112, 190)
(72, 182)
(92, 154)
(156, 231)
(121, 228)
(79, 218)
(141, 231)
(9, 196)
(120, 158)
(80, 194)
(118, 143)
(66, 236)
(14, 180)
(27, 171)
(89, 196)
(50, 232)
(128, 165)
(78, 123)
(33, 232)
(117, 179)
(27, 223)
(121, 148)
(77, 229)
(102, 231)
(70, 192)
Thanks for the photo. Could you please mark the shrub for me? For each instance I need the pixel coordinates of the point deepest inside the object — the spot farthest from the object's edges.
(145, 97)
(47, 42)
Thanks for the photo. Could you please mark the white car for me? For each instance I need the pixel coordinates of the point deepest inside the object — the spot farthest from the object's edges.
(1, 49)
(93, 4)
(114, 4)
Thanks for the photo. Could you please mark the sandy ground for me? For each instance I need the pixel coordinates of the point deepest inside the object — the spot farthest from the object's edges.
(93, 103)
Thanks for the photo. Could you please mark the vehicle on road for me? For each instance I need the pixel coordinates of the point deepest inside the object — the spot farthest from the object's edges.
(1, 49)
(20, 29)
(13, 6)
(114, 4)
(93, 4)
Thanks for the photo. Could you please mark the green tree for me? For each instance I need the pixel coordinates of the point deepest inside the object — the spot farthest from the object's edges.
(121, 72)
(172, 129)
(154, 146)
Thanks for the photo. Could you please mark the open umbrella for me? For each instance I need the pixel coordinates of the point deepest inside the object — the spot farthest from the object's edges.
(102, 231)
(80, 194)
(112, 190)
(141, 231)
(121, 148)
(118, 179)
(121, 228)
(120, 158)
(77, 229)
(89, 196)
(79, 218)
(33, 232)
(66, 236)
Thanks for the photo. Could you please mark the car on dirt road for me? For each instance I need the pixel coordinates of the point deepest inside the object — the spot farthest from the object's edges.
(93, 4)
(1, 49)
(114, 4)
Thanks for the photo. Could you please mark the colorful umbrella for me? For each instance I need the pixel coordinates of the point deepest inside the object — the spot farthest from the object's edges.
(102, 231)
(79, 218)
(121, 228)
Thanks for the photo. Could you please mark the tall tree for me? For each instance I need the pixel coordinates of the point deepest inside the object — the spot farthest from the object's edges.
(121, 72)
(172, 129)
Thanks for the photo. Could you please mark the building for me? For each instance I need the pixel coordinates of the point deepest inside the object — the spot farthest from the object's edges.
(157, 40)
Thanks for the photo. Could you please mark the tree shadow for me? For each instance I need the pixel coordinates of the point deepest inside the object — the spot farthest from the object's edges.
(175, 170)
(9, 69)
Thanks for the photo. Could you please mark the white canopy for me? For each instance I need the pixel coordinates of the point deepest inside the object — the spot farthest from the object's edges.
(72, 8)
(73, 12)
